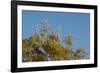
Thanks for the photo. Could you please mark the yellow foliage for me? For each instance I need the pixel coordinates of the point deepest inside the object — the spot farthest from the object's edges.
(51, 48)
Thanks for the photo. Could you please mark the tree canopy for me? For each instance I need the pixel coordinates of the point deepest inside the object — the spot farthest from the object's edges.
(45, 45)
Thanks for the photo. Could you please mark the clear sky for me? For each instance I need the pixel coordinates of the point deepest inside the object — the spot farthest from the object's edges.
(77, 24)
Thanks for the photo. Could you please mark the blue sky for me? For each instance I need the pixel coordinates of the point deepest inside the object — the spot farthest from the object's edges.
(77, 24)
